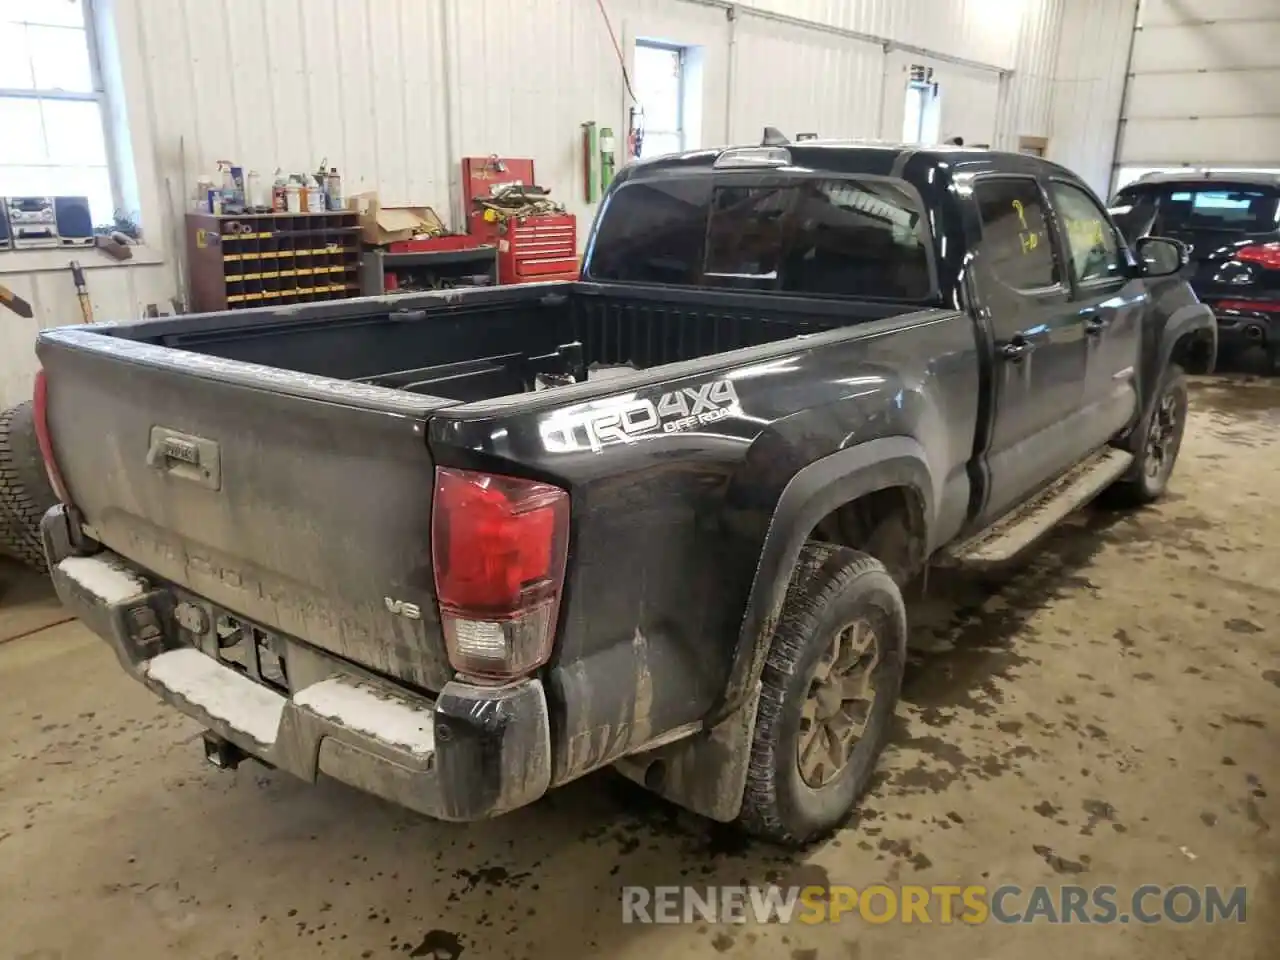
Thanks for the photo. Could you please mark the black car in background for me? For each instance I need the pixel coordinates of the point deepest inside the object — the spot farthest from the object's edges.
(1231, 223)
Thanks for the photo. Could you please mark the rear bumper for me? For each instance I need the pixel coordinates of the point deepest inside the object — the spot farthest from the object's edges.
(1236, 329)
(471, 753)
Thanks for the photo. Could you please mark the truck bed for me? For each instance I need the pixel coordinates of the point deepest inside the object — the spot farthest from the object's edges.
(276, 463)
(483, 344)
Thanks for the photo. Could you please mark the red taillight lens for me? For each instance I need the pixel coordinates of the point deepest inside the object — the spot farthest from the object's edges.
(1250, 306)
(40, 414)
(498, 549)
(1263, 254)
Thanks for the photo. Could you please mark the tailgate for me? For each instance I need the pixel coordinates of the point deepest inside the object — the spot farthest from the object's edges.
(300, 503)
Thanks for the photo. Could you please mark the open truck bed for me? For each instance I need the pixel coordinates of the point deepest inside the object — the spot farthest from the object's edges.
(485, 343)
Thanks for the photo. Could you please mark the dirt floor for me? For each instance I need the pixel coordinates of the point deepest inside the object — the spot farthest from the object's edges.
(1108, 715)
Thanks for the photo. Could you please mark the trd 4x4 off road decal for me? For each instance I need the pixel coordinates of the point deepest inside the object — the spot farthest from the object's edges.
(628, 420)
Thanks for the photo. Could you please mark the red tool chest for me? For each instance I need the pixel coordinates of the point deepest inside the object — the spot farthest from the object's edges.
(533, 248)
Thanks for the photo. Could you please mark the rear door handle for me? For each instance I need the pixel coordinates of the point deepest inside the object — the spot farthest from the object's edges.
(1094, 326)
(1016, 350)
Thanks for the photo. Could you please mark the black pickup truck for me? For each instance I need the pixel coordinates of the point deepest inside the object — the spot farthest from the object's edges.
(460, 548)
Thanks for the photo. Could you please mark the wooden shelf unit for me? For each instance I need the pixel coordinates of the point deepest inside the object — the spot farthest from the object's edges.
(264, 260)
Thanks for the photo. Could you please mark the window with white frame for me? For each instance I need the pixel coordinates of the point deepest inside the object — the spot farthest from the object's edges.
(659, 87)
(52, 137)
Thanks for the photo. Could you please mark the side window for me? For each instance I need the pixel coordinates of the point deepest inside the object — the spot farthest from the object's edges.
(1016, 250)
(1091, 241)
(859, 239)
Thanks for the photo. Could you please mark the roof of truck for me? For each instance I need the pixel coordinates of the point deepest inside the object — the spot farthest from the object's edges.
(861, 156)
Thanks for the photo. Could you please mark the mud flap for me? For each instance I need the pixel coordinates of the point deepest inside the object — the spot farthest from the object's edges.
(706, 772)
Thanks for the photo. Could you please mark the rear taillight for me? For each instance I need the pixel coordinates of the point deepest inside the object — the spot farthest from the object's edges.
(1263, 254)
(498, 547)
(40, 413)
(1249, 306)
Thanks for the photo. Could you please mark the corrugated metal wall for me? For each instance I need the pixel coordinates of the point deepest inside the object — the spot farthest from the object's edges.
(393, 92)
(113, 290)
(801, 80)
(983, 31)
(287, 82)
(1093, 54)
(382, 88)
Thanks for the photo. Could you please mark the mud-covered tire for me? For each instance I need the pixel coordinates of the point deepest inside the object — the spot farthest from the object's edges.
(1148, 478)
(25, 492)
(832, 588)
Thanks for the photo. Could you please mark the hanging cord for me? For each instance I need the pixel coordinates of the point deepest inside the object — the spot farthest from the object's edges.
(622, 61)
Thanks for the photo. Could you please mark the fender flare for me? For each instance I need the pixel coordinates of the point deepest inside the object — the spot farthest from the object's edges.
(1192, 318)
(810, 495)
(1197, 317)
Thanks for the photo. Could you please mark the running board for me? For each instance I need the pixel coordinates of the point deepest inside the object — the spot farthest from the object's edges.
(1028, 522)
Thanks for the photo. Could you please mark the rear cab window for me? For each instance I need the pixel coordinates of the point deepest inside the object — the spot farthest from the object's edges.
(863, 237)
(1173, 209)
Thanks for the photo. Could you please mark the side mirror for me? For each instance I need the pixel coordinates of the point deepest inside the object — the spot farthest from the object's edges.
(1161, 257)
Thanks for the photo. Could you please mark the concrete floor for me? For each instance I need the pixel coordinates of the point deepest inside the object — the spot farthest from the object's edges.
(1107, 715)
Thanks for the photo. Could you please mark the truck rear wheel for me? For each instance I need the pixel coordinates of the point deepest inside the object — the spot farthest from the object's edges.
(829, 690)
(1158, 450)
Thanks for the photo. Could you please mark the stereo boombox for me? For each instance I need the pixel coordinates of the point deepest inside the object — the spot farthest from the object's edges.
(29, 223)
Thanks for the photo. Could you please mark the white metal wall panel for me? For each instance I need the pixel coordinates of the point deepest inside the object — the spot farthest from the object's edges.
(800, 80)
(1205, 85)
(1208, 46)
(1163, 13)
(1025, 106)
(1089, 87)
(1207, 141)
(114, 290)
(1183, 95)
(984, 31)
(970, 102)
(290, 82)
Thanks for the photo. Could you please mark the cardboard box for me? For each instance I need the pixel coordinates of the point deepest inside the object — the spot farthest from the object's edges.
(381, 225)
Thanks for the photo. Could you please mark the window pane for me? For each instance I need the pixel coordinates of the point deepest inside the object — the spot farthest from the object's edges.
(60, 58)
(744, 238)
(15, 62)
(1015, 243)
(1095, 251)
(858, 239)
(73, 130)
(66, 13)
(652, 233)
(23, 139)
(1245, 208)
(657, 86)
(655, 144)
(913, 117)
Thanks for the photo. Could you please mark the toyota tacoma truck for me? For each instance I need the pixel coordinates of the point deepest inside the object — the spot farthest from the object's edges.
(460, 548)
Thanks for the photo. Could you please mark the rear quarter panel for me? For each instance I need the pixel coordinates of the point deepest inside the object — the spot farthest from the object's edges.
(668, 526)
